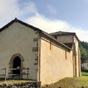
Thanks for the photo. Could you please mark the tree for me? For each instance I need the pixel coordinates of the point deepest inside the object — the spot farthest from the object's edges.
(84, 51)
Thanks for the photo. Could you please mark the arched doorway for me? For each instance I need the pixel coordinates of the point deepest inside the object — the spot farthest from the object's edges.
(16, 66)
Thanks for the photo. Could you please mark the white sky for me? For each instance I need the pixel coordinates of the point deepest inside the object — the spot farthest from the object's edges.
(29, 12)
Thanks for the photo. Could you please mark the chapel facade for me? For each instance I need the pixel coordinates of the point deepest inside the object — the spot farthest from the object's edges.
(26, 52)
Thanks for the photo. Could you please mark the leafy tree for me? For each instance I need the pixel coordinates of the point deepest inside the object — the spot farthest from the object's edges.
(84, 51)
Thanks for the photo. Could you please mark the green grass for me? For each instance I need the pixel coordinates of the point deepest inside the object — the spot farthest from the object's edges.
(84, 73)
(74, 82)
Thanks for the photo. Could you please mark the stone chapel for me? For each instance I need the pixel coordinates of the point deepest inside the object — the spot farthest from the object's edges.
(27, 52)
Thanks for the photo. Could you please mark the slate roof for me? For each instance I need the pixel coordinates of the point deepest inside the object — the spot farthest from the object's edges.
(60, 33)
(37, 29)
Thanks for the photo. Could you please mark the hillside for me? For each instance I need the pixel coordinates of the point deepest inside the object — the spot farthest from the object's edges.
(79, 82)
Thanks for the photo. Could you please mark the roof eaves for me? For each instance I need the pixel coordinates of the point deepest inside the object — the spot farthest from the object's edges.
(61, 44)
(7, 25)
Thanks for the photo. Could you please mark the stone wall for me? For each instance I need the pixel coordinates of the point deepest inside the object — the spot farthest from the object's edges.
(65, 38)
(56, 62)
(77, 57)
(18, 39)
(21, 85)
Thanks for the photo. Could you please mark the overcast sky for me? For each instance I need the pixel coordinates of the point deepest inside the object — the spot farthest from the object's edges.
(48, 15)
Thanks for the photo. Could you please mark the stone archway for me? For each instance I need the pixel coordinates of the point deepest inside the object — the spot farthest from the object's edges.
(16, 65)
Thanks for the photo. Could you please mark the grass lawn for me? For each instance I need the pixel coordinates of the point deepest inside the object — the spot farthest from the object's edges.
(75, 82)
(84, 73)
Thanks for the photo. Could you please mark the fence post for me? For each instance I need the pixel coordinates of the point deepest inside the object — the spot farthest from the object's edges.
(27, 72)
(5, 74)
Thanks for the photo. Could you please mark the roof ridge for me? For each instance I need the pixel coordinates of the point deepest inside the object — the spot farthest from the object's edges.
(62, 32)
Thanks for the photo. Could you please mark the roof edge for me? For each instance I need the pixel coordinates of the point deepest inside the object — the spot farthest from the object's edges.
(35, 28)
(64, 33)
